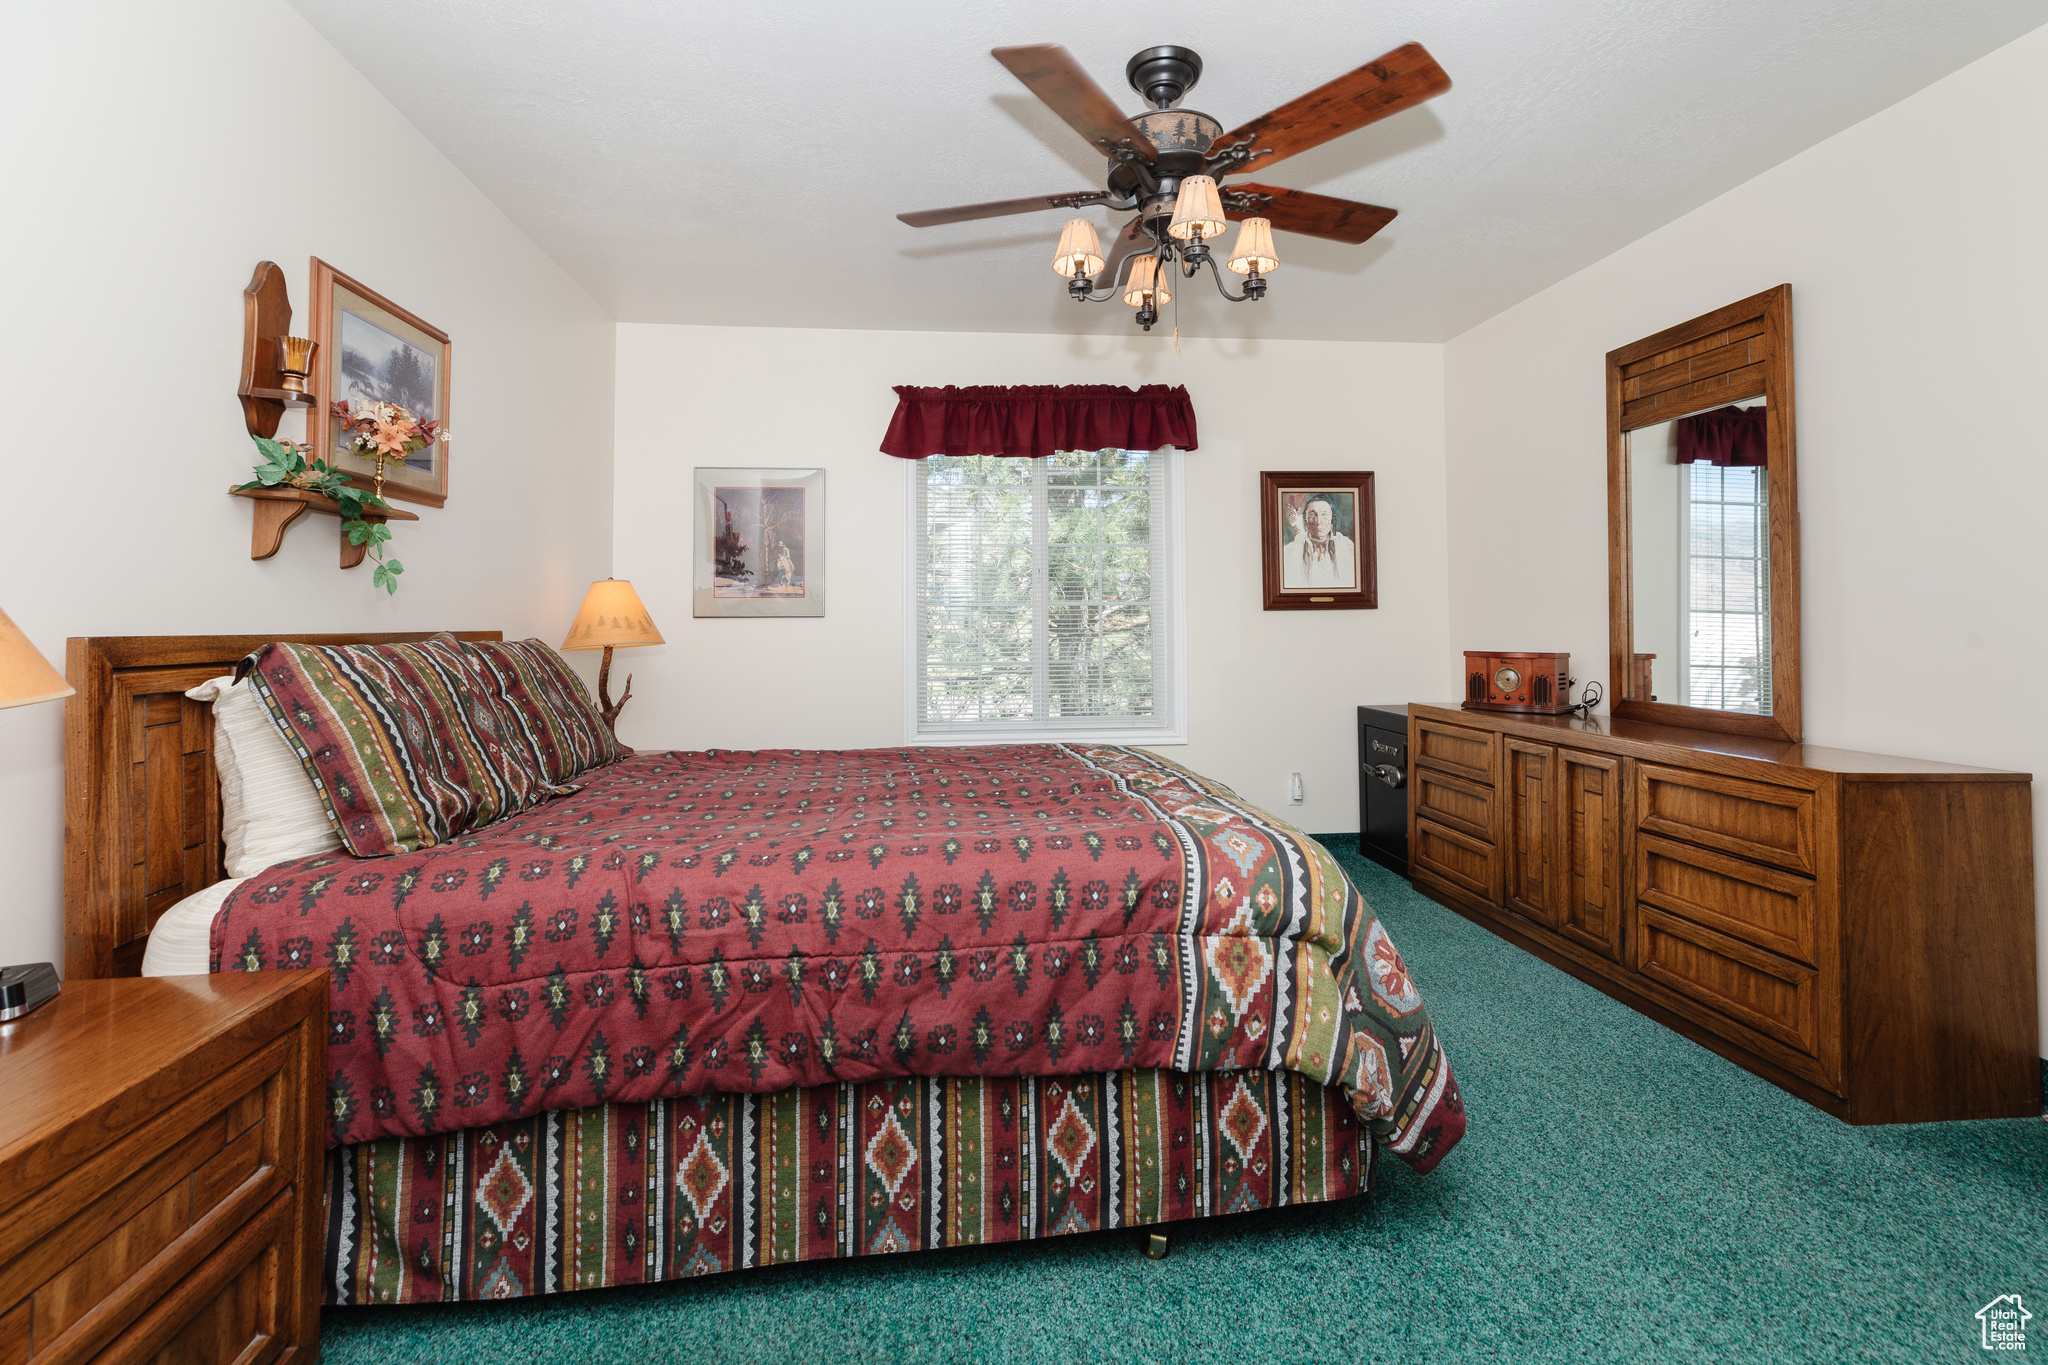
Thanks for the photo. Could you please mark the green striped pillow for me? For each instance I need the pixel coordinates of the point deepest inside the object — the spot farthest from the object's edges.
(407, 744)
(548, 707)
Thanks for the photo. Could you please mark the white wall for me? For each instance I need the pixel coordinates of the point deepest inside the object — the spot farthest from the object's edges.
(153, 154)
(1916, 244)
(1269, 692)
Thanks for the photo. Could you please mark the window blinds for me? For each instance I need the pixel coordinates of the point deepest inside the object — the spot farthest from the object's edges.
(1725, 534)
(1043, 594)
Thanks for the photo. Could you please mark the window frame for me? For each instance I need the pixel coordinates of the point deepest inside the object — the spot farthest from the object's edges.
(1760, 568)
(1170, 692)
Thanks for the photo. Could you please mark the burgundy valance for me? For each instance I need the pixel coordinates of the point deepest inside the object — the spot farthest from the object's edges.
(1034, 420)
(1725, 436)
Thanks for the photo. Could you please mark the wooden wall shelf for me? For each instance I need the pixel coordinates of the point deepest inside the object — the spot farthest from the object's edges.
(266, 318)
(278, 508)
(284, 396)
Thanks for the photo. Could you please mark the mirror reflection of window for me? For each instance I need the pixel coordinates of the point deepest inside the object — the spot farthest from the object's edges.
(1700, 542)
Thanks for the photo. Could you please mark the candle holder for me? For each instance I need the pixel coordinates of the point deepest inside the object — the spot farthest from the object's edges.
(297, 365)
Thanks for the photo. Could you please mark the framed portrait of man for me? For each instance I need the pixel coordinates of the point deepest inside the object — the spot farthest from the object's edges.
(1317, 541)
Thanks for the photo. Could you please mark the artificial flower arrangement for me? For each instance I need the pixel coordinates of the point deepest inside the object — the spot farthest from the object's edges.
(376, 431)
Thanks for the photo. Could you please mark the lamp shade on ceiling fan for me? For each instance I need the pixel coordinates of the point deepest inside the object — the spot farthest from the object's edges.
(25, 675)
(1254, 249)
(612, 618)
(1145, 283)
(1197, 211)
(1080, 250)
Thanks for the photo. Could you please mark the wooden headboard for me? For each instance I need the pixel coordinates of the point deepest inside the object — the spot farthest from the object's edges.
(141, 800)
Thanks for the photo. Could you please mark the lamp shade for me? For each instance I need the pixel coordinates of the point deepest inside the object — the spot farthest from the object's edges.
(613, 618)
(1197, 212)
(1080, 251)
(25, 675)
(1254, 249)
(1144, 283)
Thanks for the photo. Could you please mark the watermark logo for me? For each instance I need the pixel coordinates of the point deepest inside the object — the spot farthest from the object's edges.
(2003, 1322)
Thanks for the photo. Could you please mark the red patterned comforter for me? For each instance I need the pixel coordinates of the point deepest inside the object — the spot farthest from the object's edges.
(753, 921)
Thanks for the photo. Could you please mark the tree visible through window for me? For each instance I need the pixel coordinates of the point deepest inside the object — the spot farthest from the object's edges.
(1726, 557)
(1043, 594)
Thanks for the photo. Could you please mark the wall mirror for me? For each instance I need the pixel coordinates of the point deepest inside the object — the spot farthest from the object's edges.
(1703, 523)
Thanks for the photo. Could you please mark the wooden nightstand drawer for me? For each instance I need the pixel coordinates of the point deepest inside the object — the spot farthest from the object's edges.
(172, 1186)
(167, 1194)
(229, 1309)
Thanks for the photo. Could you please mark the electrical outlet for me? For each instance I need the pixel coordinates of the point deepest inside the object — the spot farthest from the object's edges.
(1294, 789)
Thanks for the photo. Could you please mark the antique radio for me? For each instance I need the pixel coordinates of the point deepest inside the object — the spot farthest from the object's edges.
(1534, 684)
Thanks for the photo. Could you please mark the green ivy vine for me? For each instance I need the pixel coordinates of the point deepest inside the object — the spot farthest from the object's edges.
(285, 465)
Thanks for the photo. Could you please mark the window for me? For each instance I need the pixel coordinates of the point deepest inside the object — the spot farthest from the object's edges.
(1725, 532)
(1045, 597)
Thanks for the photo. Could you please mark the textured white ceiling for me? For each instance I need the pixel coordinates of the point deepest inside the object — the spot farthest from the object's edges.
(744, 163)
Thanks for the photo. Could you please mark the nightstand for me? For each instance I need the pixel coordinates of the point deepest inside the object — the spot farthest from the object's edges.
(161, 1148)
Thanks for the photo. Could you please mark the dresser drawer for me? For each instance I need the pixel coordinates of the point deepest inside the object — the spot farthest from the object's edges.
(1454, 802)
(1471, 754)
(1463, 861)
(1756, 820)
(1742, 984)
(1774, 910)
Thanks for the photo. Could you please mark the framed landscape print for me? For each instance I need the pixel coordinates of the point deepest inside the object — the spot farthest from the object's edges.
(1317, 540)
(371, 350)
(760, 543)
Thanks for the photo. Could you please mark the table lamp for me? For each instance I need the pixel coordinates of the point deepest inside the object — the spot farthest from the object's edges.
(612, 618)
(25, 678)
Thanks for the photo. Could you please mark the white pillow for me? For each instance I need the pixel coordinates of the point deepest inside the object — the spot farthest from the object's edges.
(268, 809)
(181, 943)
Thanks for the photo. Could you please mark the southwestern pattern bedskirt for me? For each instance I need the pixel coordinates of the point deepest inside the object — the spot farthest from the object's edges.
(619, 1194)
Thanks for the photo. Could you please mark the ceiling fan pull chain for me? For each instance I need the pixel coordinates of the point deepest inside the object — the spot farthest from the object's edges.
(1176, 327)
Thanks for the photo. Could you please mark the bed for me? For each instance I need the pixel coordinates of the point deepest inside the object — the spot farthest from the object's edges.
(710, 1011)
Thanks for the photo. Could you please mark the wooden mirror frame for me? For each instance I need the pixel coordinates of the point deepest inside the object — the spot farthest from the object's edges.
(1725, 356)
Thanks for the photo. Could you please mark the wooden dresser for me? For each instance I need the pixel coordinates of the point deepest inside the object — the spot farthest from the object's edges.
(160, 1161)
(1854, 928)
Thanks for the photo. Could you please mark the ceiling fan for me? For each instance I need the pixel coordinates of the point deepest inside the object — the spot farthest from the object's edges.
(1166, 165)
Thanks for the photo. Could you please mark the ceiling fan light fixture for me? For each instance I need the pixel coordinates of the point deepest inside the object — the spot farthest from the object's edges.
(1153, 164)
(1197, 210)
(1080, 250)
(1145, 286)
(1254, 252)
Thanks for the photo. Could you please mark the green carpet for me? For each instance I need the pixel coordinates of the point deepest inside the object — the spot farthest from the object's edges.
(1622, 1194)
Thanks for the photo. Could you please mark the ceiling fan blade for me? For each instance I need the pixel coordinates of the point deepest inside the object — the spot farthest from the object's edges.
(1400, 80)
(1050, 72)
(1003, 207)
(1129, 242)
(1312, 215)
